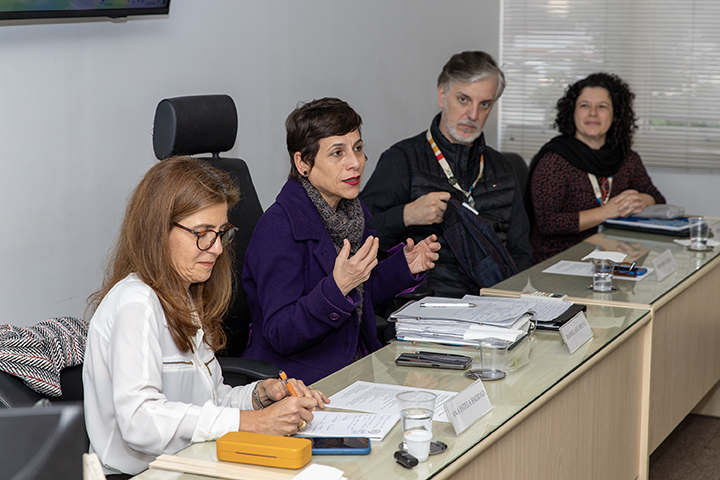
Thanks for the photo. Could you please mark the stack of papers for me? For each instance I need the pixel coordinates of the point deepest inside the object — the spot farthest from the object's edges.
(468, 320)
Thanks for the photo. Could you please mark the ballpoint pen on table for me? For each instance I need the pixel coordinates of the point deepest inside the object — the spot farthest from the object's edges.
(447, 305)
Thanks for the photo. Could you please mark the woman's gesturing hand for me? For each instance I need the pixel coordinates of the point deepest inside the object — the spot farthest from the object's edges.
(349, 272)
(422, 255)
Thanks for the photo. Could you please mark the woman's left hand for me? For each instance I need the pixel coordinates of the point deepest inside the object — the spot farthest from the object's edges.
(273, 390)
(422, 255)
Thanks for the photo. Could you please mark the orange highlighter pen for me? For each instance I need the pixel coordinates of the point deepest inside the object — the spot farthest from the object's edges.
(284, 380)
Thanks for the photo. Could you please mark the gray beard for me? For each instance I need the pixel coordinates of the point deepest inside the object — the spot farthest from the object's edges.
(452, 131)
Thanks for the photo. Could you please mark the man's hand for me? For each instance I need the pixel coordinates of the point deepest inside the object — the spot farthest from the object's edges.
(426, 210)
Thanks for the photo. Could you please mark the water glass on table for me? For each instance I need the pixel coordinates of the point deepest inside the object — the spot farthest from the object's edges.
(699, 232)
(493, 359)
(602, 274)
(416, 413)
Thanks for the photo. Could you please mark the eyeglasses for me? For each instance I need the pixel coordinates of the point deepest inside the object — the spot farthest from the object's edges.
(206, 239)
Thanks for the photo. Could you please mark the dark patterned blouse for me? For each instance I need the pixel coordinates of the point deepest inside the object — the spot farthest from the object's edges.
(560, 191)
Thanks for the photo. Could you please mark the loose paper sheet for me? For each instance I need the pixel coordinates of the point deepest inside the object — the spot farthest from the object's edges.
(616, 257)
(381, 398)
(584, 269)
(341, 424)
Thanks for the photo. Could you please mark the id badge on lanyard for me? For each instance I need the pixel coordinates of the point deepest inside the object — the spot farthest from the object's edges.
(599, 196)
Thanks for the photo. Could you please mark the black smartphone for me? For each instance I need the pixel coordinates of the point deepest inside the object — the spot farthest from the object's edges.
(434, 360)
(340, 445)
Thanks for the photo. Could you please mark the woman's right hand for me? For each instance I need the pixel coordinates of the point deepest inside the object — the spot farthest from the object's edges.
(285, 417)
(351, 272)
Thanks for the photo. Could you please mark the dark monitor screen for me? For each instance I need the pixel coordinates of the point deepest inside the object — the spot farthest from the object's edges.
(25, 9)
(42, 443)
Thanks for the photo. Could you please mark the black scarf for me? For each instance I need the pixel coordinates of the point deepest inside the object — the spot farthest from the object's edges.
(348, 221)
(602, 163)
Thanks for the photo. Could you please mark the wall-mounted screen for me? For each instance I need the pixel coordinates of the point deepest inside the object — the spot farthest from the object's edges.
(24, 9)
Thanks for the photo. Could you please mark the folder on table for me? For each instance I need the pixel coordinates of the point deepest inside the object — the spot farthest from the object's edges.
(555, 324)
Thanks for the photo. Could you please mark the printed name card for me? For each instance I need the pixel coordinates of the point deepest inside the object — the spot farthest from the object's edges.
(468, 406)
(664, 264)
(576, 332)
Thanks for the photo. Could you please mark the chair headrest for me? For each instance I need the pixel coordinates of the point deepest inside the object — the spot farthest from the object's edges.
(196, 124)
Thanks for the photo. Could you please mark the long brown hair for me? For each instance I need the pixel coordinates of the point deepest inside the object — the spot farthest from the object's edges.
(170, 191)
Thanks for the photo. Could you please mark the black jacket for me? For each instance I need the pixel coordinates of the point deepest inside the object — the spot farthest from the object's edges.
(409, 170)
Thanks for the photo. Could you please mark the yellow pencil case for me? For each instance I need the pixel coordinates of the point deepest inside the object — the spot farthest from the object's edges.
(266, 450)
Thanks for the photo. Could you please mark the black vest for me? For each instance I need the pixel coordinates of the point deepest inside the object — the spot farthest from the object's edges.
(493, 196)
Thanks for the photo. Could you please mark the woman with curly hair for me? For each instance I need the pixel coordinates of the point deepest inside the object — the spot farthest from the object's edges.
(589, 173)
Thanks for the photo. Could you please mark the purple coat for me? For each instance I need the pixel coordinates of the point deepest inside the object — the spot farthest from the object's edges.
(301, 321)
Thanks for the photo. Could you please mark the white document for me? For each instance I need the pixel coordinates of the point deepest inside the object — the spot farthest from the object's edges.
(485, 310)
(340, 424)
(478, 332)
(545, 310)
(316, 471)
(686, 242)
(585, 269)
(381, 398)
(567, 267)
(616, 257)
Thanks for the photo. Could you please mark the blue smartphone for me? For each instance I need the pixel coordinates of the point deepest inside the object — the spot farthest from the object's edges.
(340, 445)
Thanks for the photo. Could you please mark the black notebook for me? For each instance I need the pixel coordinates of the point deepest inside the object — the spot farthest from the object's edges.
(563, 318)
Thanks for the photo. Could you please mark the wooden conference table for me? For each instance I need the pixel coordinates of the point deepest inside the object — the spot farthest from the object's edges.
(597, 413)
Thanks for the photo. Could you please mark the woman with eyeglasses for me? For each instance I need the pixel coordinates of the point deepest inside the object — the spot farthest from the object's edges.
(152, 383)
(311, 272)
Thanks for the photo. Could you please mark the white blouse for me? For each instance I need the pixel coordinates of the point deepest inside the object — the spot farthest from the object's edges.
(143, 396)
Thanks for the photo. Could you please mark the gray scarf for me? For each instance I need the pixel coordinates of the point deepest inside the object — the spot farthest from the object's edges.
(347, 221)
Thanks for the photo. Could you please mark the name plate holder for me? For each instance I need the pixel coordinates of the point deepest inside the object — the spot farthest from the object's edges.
(467, 406)
(576, 332)
(664, 264)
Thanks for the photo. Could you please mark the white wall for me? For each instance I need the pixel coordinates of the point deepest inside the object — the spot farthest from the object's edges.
(696, 190)
(77, 101)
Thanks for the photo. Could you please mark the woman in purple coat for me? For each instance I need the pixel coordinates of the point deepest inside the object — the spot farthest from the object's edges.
(311, 272)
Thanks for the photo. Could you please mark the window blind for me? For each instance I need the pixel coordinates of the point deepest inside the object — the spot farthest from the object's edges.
(668, 51)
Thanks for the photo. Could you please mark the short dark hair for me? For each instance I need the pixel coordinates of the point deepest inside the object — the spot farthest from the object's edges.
(471, 67)
(311, 122)
(623, 125)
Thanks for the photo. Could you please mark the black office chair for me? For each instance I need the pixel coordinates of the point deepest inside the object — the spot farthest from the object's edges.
(42, 443)
(15, 394)
(42, 437)
(208, 124)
